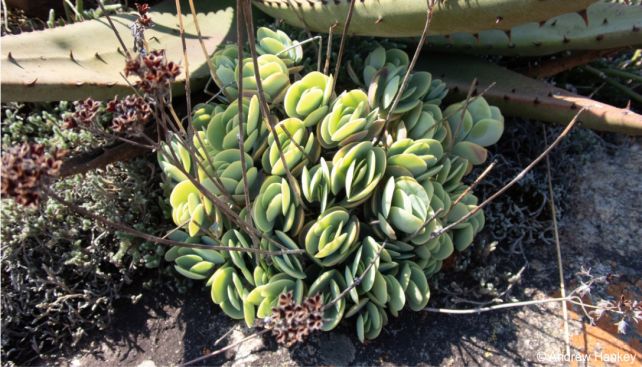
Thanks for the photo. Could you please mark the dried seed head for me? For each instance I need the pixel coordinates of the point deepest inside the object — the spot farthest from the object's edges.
(129, 114)
(292, 323)
(154, 71)
(23, 169)
(85, 114)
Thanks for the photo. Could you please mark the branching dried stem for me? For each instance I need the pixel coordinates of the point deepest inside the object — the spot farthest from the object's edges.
(356, 280)
(159, 240)
(472, 186)
(513, 181)
(241, 137)
(265, 108)
(411, 66)
(328, 51)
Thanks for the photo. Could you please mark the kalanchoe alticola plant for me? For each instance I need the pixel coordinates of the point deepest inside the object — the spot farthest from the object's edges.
(346, 211)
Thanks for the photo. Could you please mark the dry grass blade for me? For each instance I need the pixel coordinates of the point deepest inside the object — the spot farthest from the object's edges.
(188, 94)
(199, 34)
(226, 348)
(558, 250)
(344, 32)
(328, 51)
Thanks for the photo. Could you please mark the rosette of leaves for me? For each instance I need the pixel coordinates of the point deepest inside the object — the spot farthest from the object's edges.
(308, 99)
(350, 120)
(172, 155)
(191, 209)
(331, 238)
(259, 302)
(464, 233)
(370, 320)
(415, 158)
(278, 43)
(285, 263)
(243, 261)
(194, 263)
(223, 127)
(437, 92)
(226, 169)
(422, 122)
(402, 208)
(276, 207)
(453, 170)
(315, 184)
(383, 75)
(274, 74)
(329, 285)
(225, 62)
(414, 284)
(228, 290)
(479, 126)
(356, 269)
(357, 168)
(202, 113)
(298, 147)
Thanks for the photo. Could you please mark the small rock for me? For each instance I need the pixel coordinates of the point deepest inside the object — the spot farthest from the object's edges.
(336, 349)
(147, 363)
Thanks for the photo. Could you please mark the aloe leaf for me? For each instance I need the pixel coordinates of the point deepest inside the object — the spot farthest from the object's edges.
(84, 59)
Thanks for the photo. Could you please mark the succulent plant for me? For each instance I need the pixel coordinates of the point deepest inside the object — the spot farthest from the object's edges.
(308, 98)
(402, 208)
(276, 206)
(317, 193)
(357, 168)
(298, 146)
(223, 127)
(194, 263)
(274, 76)
(191, 209)
(479, 126)
(384, 72)
(350, 120)
(422, 122)
(225, 62)
(415, 158)
(315, 184)
(332, 237)
(278, 43)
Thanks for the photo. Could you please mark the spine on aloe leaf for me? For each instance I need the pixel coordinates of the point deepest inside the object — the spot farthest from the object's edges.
(394, 18)
(604, 25)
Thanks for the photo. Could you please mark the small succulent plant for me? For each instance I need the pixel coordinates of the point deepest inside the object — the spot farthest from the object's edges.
(345, 205)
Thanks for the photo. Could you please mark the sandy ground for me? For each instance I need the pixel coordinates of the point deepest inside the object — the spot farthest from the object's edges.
(601, 230)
